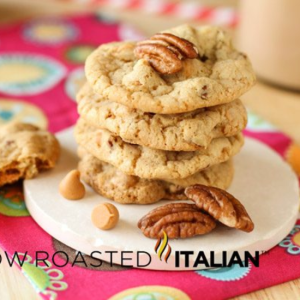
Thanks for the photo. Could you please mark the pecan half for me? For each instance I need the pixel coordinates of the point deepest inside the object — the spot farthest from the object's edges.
(178, 220)
(160, 58)
(165, 51)
(187, 48)
(220, 205)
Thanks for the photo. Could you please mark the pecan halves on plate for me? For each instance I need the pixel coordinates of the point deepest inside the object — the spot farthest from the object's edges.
(220, 205)
(160, 57)
(178, 220)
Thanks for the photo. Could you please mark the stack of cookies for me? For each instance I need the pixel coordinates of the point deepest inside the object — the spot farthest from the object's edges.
(163, 114)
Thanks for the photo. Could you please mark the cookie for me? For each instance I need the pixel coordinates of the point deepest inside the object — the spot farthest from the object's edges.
(181, 132)
(25, 150)
(219, 75)
(220, 175)
(149, 163)
(112, 183)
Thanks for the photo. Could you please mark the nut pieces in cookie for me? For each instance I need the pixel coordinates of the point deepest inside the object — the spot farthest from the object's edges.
(220, 205)
(164, 51)
(178, 220)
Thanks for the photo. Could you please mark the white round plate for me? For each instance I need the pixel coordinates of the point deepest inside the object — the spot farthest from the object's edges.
(263, 182)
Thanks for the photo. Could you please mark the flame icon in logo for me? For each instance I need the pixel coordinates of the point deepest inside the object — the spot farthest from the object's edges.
(161, 246)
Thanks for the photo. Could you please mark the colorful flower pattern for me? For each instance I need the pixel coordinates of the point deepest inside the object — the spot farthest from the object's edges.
(78, 53)
(28, 74)
(151, 293)
(226, 274)
(44, 278)
(292, 241)
(19, 111)
(50, 32)
(12, 201)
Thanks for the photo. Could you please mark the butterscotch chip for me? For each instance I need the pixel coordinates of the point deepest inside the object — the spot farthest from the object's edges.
(105, 216)
(177, 220)
(71, 187)
(220, 205)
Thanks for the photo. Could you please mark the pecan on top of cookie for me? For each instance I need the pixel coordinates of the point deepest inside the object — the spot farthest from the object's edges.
(165, 52)
(220, 74)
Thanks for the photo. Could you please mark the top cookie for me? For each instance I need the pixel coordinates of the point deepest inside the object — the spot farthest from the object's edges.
(219, 75)
(24, 151)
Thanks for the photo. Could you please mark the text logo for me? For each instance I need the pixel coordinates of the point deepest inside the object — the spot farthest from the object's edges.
(161, 246)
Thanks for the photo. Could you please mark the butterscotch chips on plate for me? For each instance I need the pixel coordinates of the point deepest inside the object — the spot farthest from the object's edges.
(221, 205)
(25, 150)
(177, 220)
(218, 75)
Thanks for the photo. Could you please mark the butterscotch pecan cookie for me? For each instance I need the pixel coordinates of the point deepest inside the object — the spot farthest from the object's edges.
(177, 220)
(25, 150)
(218, 75)
(112, 183)
(149, 163)
(179, 132)
(220, 205)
